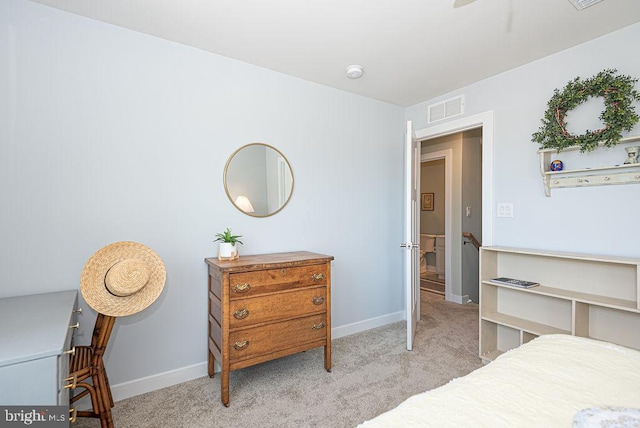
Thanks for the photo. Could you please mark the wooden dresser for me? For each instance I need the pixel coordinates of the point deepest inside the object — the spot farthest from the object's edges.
(263, 307)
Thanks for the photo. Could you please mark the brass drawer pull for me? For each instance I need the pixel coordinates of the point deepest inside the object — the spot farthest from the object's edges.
(73, 379)
(241, 288)
(238, 346)
(76, 325)
(317, 276)
(318, 326)
(318, 300)
(241, 314)
(73, 412)
(71, 351)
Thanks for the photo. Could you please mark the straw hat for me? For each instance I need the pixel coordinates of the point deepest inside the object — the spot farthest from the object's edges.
(122, 279)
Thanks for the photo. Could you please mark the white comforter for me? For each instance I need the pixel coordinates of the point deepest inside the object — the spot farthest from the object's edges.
(543, 383)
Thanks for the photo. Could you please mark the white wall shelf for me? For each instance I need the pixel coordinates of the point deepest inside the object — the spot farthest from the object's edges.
(581, 177)
(582, 295)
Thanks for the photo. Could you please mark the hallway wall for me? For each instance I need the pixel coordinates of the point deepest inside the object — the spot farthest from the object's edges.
(472, 198)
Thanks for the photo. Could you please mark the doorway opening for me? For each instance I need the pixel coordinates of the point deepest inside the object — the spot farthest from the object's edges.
(453, 227)
(465, 146)
(432, 225)
(435, 223)
(451, 174)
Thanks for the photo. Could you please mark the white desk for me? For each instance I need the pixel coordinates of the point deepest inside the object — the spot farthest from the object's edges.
(35, 333)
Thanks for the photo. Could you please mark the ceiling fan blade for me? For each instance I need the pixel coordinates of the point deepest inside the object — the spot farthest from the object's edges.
(460, 3)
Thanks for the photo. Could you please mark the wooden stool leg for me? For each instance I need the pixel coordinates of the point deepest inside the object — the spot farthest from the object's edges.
(108, 387)
(96, 401)
(103, 393)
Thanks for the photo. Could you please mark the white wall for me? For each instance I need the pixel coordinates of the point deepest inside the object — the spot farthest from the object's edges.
(599, 220)
(110, 135)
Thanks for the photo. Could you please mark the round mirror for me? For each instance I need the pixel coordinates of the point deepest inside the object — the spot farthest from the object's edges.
(258, 180)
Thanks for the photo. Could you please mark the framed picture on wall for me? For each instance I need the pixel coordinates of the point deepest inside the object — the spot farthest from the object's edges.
(427, 202)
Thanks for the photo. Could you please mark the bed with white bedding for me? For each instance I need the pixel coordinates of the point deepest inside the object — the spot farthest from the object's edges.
(552, 381)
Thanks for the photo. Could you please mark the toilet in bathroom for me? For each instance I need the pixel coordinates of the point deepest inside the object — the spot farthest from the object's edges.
(432, 251)
(427, 247)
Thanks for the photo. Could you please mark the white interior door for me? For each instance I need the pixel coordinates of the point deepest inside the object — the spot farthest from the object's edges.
(411, 234)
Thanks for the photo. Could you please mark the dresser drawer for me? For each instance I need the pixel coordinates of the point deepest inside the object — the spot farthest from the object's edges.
(256, 341)
(254, 310)
(272, 280)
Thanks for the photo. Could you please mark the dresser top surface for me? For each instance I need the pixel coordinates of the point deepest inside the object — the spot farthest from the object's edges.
(34, 326)
(264, 261)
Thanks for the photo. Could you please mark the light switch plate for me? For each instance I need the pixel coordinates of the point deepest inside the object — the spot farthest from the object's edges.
(505, 209)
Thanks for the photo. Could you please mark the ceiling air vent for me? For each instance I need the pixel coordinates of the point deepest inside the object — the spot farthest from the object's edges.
(583, 4)
(445, 109)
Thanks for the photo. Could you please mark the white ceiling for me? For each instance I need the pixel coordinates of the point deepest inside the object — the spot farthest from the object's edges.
(411, 50)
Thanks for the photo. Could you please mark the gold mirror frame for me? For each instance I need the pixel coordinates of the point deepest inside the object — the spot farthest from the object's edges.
(258, 180)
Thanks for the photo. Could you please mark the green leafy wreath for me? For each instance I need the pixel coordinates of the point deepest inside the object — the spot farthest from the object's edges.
(619, 113)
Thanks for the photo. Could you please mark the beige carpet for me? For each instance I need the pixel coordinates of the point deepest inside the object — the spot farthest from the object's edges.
(372, 372)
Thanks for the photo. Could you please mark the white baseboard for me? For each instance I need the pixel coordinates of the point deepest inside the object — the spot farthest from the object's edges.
(158, 381)
(184, 374)
(459, 299)
(361, 326)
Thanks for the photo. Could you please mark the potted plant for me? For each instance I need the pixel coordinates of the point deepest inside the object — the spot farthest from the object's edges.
(227, 246)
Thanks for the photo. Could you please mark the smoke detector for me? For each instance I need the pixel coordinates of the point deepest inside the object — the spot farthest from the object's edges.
(354, 71)
(583, 4)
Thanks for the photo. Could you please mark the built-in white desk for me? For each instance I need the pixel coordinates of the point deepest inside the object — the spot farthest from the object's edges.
(35, 345)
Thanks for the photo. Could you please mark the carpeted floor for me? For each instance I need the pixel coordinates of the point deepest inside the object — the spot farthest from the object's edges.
(372, 372)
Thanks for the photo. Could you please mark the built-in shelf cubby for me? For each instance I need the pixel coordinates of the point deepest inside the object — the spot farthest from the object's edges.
(579, 294)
